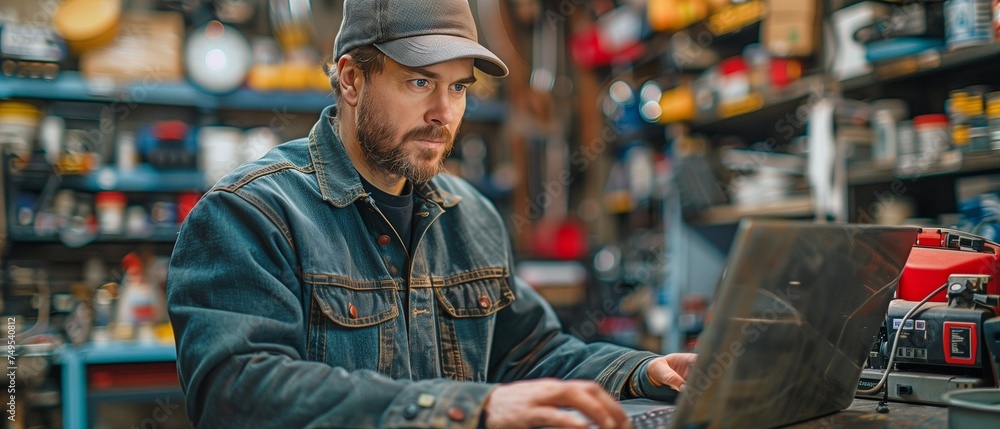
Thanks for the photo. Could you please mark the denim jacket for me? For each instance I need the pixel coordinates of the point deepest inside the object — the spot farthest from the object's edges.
(294, 303)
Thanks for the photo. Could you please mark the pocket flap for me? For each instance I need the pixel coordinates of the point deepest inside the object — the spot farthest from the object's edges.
(356, 308)
(476, 298)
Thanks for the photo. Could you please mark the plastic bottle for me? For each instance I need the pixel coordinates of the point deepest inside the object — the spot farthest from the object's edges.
(886, 115)
(126, 152)
(138, 302)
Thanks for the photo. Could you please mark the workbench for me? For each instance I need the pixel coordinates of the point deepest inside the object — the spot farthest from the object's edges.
(862, 415)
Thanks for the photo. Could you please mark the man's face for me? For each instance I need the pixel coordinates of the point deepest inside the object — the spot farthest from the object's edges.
(408, 117)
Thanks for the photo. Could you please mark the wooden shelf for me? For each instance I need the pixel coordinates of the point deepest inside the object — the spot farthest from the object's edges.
(922, 64)
(959, 163)
(773, 109)
(800, 206)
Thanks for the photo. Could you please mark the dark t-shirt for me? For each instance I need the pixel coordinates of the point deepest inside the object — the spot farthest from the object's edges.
(398, 209)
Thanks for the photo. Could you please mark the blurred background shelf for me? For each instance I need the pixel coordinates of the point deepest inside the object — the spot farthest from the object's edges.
(71, 86)
(130, 395)
(144, 178)
(766, 114)
(927, 63)
(964, 163)
(121, 352)
(723, 214)
(159, 234)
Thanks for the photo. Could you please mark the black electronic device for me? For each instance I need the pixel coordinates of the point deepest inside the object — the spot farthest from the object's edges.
(939, 339)
(932, 348)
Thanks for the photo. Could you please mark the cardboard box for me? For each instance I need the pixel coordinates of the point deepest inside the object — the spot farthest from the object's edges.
(148, 48)
(791, 28)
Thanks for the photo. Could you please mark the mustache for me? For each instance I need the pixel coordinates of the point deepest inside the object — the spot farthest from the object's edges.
(429, 132)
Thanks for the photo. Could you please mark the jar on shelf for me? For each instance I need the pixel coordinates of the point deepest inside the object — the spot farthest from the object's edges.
(978, 122)
(18, 128)
(110, 212)
(932, 137)
(959, 117)
(993, 118)
(968, 23)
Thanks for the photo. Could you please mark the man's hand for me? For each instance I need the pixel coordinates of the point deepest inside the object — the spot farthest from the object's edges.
(671, 370)
(536, 403)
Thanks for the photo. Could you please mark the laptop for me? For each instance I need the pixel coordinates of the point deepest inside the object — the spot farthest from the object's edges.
(796, 312)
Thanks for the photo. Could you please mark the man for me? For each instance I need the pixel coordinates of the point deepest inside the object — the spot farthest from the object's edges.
(341, 281)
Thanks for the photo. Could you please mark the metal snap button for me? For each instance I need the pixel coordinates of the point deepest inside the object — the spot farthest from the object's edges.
(352, 311)
(426, 400)
(411, 411)
(485, 302)
(456, 414)
(383, 240)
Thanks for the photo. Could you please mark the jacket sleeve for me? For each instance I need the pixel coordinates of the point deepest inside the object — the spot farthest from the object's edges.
(235, 302)
(531, 344)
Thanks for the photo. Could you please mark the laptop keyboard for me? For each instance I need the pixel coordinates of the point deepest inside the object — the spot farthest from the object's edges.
(653, 419)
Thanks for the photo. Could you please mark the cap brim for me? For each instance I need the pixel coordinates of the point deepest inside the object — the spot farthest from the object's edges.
(420, 51)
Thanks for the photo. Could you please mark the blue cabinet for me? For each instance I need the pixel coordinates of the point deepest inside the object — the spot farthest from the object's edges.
(77, 393)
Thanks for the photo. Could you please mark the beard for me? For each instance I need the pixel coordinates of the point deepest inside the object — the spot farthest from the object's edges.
(385, 155)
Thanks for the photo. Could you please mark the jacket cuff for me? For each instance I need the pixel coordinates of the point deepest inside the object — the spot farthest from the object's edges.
(616, 377)
(641, 386)
(438, 404)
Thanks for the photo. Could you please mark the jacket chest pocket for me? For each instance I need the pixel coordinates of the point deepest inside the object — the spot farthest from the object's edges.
(475, 298)
(353, 328)
(466, 324)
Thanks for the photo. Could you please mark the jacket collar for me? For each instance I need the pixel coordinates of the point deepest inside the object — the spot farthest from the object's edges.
(339, 181)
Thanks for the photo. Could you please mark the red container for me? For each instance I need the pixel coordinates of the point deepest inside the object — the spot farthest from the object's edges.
(185, 202)
(938, 255)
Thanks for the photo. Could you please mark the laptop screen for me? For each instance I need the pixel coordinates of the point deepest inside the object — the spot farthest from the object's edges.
(796, 312)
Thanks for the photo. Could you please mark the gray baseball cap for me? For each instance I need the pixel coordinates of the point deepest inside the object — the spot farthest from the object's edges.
(415, 33)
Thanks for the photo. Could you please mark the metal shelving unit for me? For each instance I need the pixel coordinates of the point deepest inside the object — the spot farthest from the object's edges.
(962, 164)
(71, 86)
(771, 105)
(158, 234)
(919, 65)
(144, 178)
(74, 361)
(694, 242)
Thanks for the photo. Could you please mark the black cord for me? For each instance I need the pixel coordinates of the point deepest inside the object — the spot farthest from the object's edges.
(883, 405)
